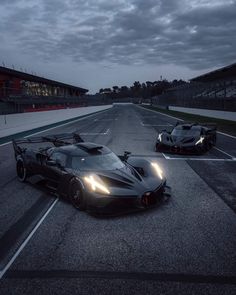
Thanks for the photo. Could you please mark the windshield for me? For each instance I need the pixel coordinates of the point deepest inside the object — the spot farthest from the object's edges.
(98, 162)
(185, 132)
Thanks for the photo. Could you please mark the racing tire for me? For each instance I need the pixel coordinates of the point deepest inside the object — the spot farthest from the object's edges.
(76, 196)
(214, 141)
(201, 150)
(21, 170)
(208, 146)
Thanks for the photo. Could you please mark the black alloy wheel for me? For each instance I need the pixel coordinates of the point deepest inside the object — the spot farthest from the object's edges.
(21, 170)
(76, 196)
(214, 141)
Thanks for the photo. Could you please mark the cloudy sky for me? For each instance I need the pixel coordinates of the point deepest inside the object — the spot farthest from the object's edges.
(101, 43)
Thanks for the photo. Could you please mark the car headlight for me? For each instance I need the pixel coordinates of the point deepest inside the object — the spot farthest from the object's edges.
(159, 137)
(94, 182)
(200, 140)
(157, 169)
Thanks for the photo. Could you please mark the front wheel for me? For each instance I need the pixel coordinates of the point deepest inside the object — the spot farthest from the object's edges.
(214, 141)
(21, 170)
(208, 146)
(76, 196)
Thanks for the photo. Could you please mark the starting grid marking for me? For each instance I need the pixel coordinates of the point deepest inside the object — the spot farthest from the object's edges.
(229, 158)
(184, 158)
(200, 159)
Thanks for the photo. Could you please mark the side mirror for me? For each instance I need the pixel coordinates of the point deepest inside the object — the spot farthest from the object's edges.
(126, 155)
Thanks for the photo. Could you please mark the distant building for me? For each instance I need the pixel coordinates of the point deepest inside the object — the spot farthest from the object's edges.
(20, 91)
(213, 90)
(14, 82)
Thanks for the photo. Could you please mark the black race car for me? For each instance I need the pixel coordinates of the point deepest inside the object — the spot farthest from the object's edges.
(185, 137)
(90, 175)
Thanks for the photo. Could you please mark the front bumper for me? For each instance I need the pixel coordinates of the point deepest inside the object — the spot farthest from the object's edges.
(118, 204)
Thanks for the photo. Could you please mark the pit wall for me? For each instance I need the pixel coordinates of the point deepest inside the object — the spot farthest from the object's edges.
(16, 123)
(208, 113)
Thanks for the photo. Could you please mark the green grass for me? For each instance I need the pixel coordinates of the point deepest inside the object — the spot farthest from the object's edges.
(226, 126)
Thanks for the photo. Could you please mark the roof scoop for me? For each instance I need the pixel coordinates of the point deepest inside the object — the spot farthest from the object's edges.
(89, 147)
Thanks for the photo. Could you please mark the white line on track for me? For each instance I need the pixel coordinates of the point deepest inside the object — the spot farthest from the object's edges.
(162, 114)
(183, 120)
(79, 119)
(5, 143)
(2, 272)
(203, 159)
(166, 157)
(223, 152)
(226, 134)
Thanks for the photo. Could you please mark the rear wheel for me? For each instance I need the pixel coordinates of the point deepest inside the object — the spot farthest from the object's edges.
(21, 170)
(76, 196)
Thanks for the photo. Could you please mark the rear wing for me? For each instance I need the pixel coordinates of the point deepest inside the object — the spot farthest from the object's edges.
(210, 125)
(56, 139)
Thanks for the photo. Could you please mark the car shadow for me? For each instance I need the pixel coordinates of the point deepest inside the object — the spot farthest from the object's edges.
(41, 184)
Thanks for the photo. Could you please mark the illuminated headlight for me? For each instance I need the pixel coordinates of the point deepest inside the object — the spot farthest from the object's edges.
(159, 137)
(157, 169)
(200, 140)
(95, 183)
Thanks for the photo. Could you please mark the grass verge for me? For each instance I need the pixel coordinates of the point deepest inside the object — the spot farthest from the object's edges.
(226, 126)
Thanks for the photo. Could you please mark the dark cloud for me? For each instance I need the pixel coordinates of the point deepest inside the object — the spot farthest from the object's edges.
(124, 32)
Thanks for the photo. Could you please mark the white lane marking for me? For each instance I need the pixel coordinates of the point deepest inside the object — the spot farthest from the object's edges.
(183, 120)
(166, 125)
(79, 119)
(203, 159)
(166, 157)
(223, 152)
(162, 114)
(2, 272)
(94, 133)
(226, 134)
(5, 143)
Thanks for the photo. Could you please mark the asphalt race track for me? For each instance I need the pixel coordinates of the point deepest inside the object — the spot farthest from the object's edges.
(185, 246)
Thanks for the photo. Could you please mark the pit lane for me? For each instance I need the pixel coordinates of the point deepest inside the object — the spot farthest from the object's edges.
(191, 235)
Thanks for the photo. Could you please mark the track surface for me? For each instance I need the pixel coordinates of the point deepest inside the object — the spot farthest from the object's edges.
(186, 246)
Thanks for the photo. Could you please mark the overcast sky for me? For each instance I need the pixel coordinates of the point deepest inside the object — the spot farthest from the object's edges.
(102, 43)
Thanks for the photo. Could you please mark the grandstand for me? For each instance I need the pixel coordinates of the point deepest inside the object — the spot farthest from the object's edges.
(20, 92)
(220, 83)
(213, 90)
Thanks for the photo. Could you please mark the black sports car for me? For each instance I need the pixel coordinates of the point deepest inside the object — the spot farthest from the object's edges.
(91, 175)
(187, 138)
